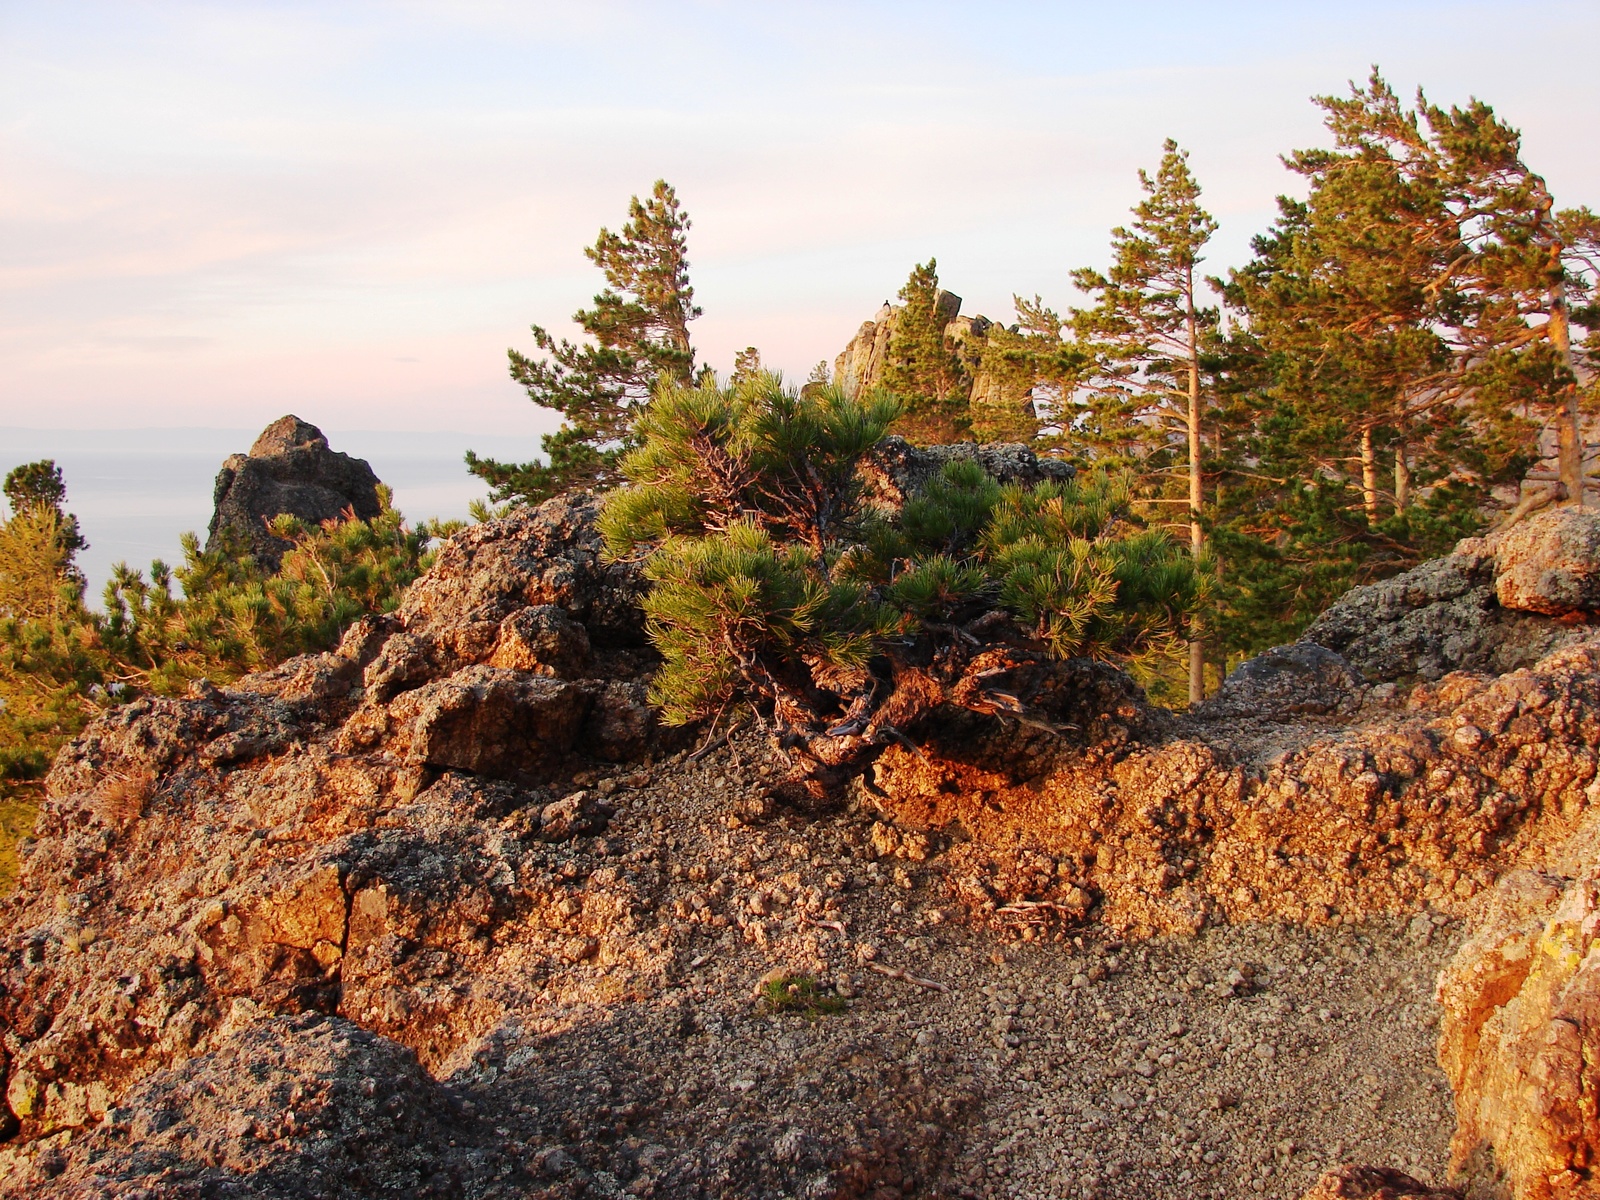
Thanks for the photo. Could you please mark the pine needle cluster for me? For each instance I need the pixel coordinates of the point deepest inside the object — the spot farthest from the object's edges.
(776, 583)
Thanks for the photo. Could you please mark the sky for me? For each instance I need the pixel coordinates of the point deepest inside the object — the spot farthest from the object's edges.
(213, 214)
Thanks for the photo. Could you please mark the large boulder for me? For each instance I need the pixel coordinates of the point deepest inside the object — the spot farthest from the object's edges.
(1550, 564)
(1498, 603)
(1286, 682)
(1521, 1034)
(290, 469)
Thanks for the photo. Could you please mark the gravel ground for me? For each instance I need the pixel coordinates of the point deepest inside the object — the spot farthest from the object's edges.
(1243, 1061)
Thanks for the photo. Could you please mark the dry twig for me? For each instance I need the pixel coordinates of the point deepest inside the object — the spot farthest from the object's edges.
(931, 985)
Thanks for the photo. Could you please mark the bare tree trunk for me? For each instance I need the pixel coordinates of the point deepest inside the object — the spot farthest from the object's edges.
(1369, 476)
(1197, 652)
(1570, 428)
(1402, 478)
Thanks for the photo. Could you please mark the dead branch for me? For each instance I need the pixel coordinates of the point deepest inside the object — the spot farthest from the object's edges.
(931, 985)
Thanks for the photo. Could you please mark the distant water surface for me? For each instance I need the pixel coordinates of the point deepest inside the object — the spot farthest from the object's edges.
(136, 490)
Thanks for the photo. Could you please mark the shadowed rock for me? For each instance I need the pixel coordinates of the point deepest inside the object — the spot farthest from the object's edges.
(290, 469)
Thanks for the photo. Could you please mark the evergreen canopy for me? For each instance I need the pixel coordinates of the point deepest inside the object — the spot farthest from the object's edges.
(640, 330)
(775, 583)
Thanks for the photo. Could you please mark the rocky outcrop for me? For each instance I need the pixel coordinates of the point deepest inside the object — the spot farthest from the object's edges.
(1521, 1031)
(1550, 563)
(897, 469)
(444, 911)
(999, 403)
(290, 469)
(1497, 604)
(299, 1106)
(1351, 808)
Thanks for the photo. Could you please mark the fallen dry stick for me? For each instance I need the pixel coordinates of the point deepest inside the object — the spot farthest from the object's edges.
(931, 984)
(1024, 906)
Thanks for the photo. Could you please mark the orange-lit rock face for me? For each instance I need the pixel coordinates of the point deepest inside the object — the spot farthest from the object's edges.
(1521, 1034)
(1386, 812)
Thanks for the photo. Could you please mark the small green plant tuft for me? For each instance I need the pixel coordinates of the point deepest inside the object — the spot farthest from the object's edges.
(801, 995)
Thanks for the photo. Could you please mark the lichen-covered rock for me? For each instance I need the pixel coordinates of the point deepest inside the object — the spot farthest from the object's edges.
(1439, 617)
(491, 721)
(1286, 682)
(543, 639)
(291, 1107)
(621, 725)
(289, 469)
(549, 555)
(1550, 563)
(896, 468)
(1520, 1035)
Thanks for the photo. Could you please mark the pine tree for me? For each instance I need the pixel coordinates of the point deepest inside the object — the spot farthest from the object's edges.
(774, 584)
(639, 327)
(1523, 271)
(924, 370)
(1403, 335)
(1147, 327)
(38, 486)
(1344, 296)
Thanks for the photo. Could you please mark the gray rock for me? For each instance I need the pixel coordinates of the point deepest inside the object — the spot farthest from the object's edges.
(504, 724)
(1441, 616)
(549, 555)
(1285, 682)
(896, 469)
(290, 469)
(290, 1107)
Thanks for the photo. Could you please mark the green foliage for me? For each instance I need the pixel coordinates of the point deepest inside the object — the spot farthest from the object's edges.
(774, 583)
(61, 663)
(232, 617)
(1396, 355)
(801, 995)
(733, 611)
(924, 369)
(1140, 341)
(639, 327)
(37, 487)
(710, 456)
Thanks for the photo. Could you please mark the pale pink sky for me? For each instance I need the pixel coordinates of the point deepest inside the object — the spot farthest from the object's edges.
(211, 214)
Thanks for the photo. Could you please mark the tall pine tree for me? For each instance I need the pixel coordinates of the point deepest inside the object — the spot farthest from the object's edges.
(640, 330)
(924, 370)
(1146, 331)
(1524, 270)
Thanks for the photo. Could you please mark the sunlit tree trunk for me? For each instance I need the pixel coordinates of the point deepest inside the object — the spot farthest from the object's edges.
(1402, 479)
(1570, 426)
(1369, 476)
(1197, 651)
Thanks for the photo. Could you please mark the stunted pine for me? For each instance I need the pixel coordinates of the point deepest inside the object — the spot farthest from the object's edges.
(777, 586)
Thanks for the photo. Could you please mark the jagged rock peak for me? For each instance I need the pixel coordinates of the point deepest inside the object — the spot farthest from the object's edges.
(285, 434)
(290, 469)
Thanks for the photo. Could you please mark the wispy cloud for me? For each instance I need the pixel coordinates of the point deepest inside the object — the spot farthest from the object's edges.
(360, 205)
